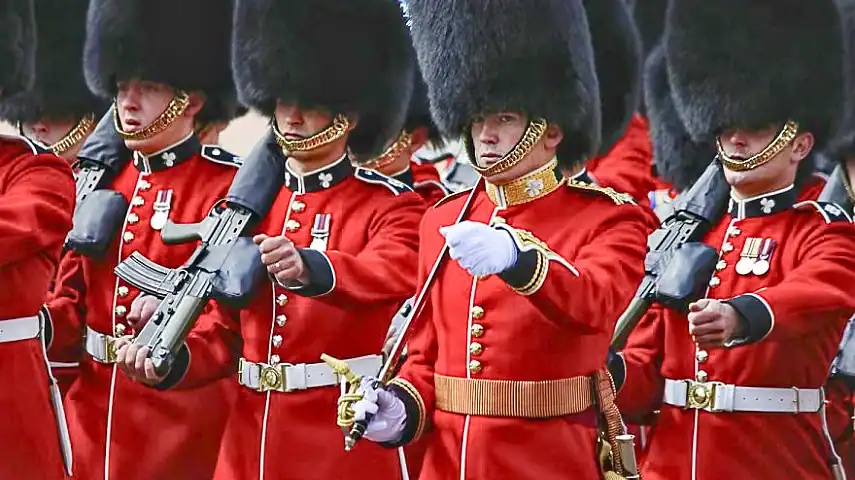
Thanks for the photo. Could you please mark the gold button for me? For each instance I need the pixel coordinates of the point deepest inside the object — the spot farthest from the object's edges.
(727, 247)
(138, 201)
(702, 356)
(121, 311)
(123, 291)
(119, 330)
(715, 281)
(298, 206)
(280, 320)
(475, 367)
(721, 265)
(701, 376)
(477, 330)
(476, 348)
(144, 185)
(277, 340)
(128, 237)
(281, 300)
(274, 360)
(477, 312)
(133, 218)
(292, 225)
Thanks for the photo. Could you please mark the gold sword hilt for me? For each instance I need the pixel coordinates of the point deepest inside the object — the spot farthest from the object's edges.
(345, 414)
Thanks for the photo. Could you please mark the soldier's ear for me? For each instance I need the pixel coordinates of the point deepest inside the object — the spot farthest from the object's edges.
(353, 120)
(197, 101)
(552, 137)
(802, 146)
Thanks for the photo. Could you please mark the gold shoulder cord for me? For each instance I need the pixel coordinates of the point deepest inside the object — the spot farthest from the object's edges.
(787, 134)
(331, 133)
(533, 133)
(402, 143)
(617, 197)
(177, 106)
(74, 136)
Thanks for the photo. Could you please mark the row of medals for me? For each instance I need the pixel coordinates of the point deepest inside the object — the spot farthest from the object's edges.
(755, 256)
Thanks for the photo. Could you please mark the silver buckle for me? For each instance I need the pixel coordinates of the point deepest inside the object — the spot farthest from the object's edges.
(796, 398)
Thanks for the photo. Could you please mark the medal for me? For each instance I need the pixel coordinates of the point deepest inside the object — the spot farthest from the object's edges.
(321, 232)
(161, 209)
(749, 256)
(762, 266)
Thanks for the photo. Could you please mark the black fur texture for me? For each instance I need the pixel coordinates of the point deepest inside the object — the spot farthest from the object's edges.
(59, 90)
(843, 145)
(486, 56)
(17, 46)
(345, 56)
(617, 54)
(181, 43)
(751, 64)
(418, 115)
(649, 18)
(678, 159)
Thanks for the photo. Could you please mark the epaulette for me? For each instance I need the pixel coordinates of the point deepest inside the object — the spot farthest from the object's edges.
(218, 154)
(35, 147)
(370, 176)
(451, 196)
(617, 197)
(831, 212)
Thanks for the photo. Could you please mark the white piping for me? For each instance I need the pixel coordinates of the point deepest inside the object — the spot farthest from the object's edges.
(402, 460)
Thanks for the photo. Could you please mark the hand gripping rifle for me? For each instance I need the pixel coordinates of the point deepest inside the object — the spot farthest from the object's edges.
(677, 264)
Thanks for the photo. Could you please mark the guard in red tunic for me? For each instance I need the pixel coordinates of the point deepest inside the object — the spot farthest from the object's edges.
(36, 201)
(339, 241)
(745, 365)
(160, 72)
(504, 366)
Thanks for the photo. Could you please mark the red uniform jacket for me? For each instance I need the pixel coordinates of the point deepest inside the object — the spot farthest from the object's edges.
(424, 179)
(117, 426)
(359, 279)
(628, 167)
(796, 311)
(36, 201)
(561, 330)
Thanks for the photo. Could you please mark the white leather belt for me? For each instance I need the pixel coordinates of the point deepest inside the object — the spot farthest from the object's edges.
(24, 328)
(286, 377)
(100, 347)
(720, 397)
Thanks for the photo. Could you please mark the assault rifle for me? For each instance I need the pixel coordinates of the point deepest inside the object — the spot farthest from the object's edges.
(677, 265)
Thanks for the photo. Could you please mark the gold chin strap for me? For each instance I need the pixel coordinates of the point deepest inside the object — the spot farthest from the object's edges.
(787, 134)
(177, 106)
(331, 133)
(74, 136)
(401, 144)
(533, 133)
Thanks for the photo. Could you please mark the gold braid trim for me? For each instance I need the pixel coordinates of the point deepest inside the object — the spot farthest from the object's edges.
(605, 391)
(74, 136)
(401, 144)
(331, 133)
(411, 391)
(534, 131)
(177, 106)
(617, 197)
(532, 186)
(526, 241)
(785, 136)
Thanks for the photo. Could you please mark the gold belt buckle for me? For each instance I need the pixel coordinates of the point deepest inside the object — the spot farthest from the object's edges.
(701, 395)
(109, 349)
(272, 377)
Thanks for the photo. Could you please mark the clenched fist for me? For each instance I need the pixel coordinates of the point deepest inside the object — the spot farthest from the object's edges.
(713, 323)
(282, 259)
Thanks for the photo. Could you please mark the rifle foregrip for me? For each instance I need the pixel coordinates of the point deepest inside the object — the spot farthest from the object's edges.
(627, 322)
(172, 332)
(177, 233)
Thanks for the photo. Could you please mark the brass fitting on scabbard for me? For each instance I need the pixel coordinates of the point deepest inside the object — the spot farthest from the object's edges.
(345, 414)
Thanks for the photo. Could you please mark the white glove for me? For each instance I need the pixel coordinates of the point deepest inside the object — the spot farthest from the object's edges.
(480, 249)
(389, 413)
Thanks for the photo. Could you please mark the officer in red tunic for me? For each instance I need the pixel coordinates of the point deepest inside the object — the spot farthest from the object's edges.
(160, 72)
(739, 377)
(36, 201)
(339, 241)
(503, 364)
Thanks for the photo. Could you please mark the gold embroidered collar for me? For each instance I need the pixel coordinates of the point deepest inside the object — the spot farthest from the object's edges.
(532, 186)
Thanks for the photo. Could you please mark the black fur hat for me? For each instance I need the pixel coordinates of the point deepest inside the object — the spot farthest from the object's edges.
(751, 64)
(17, 46)
(617, 53)
(486, 56)
(678, 159)
(843, 145)
(60, 90)
(649, 18)
(182, 43)
(418, 115)
(342, 55)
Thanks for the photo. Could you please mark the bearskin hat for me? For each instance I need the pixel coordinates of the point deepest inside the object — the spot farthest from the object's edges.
(479, 57)
(342, 55)
(59, 90)
(418, 115)
(751, 64)
(843, 145)
(617, 54)
(649, 16)
(181, 43)
(17, 45)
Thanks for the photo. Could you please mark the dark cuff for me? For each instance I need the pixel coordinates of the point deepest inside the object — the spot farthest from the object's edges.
(617, 367)
(411, 427)
(522, 273)
(47, 324)
(321, 275)
(755, 317)
(178, 370)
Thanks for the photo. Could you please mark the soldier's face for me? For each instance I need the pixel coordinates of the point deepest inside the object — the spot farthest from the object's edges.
(297, 123)
(49, 131)
(141, 102)
(495, 135)
(779, 172)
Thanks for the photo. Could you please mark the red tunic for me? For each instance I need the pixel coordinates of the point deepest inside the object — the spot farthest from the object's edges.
(36, 201)
(426, 182)
(364, 275)
(628, 167)
(801, 305)
(599, 249)
(121, 429)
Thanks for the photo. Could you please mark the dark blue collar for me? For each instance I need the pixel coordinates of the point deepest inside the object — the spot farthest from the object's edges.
(766, 204)
(320, 179)
(168, 157)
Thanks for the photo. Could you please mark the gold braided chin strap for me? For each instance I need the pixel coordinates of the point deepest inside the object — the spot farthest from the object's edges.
(399, 146)
(331, 133)
(177, 106)
(785, 136)
(534, 131)
(74, 136)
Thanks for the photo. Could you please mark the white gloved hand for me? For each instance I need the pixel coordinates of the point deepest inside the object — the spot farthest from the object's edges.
(389, 413)
(480, 249)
